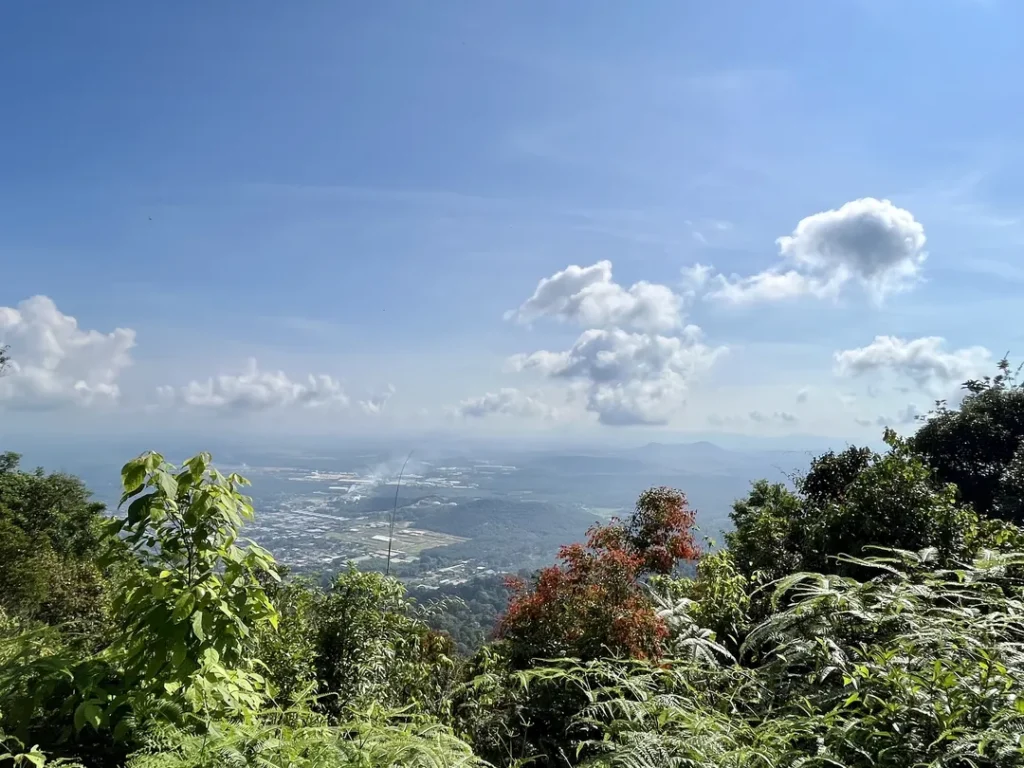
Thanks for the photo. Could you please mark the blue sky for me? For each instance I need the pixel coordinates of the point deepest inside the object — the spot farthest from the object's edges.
(369, 194)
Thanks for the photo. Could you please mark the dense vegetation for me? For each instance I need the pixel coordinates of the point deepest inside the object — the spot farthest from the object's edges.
(870, 614)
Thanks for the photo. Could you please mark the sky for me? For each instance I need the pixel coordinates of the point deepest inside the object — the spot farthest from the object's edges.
(598, 220)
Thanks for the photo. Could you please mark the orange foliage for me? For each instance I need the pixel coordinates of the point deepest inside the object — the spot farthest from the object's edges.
(592, 603)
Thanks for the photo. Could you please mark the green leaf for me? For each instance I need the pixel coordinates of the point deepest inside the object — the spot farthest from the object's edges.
(178, 654)
(133, 474)
(167, 484)
(197, 626)
(137, 509)
(121, 730)
(88, 713)
(183, 607)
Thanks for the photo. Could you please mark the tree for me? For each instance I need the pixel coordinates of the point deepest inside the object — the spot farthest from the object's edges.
(769, 527)
(847, 502)
(892, 501)
(51, 534)
(979, 445)
(716, 599)
(53, 507)
(287, 652)
(185, 619)
(593, 602)
(372, 650)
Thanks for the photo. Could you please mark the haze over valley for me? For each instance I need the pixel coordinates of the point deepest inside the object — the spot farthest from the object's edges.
(461, 511)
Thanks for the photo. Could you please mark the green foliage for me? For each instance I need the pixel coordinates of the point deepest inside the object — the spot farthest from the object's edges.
(54, 507)
(297, 739)
(979, 446)
(800, 644)
(892, 500)
(185, 620)
(510, 722)
(371, 648)
(770, 526)
(917, 666)
(847, 502)
(466, 612)
(50, 535)
(287, 652)
(717, 599)
(13, 752)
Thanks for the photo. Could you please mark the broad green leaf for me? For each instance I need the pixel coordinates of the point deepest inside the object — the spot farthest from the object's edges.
(133, 474)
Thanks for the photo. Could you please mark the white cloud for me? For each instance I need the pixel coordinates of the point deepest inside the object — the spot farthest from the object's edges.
(255, 390)
(631, 378)
(375, 403)
(783, 418)
(768, 286)
(925, 361)
(508, 402)
(589, 297)
(868, 242)
(803, 394)
(909, 415)
(54, 362)
(695, 278)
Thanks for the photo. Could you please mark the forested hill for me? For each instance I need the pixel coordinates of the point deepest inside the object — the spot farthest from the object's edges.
(871, 614)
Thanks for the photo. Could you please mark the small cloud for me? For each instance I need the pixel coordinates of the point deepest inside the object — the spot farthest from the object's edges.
(374, 404)
(507, 402)
(924, 361)
(909, 415)
(867, 242)
(630, 378)
(755, 417)
(589, 297)
(255, 390)
(802, 394)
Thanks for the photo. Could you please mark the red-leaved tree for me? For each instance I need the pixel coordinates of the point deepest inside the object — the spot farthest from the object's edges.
(593, 603)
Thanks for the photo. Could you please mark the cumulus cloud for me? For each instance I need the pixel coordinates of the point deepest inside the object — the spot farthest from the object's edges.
(867, 242)
(630, 378)
(375, 403)
(924, 361)
(589, 297)
(256, 390)
(508, 402)
(54, 362)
